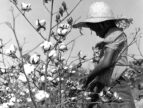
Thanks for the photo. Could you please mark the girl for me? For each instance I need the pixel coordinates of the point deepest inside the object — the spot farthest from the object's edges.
(107, 76)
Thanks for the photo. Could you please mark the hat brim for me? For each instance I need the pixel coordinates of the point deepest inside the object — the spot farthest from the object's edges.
(95, 20)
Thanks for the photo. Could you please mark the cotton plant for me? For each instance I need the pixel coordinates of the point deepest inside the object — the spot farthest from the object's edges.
(58, 65)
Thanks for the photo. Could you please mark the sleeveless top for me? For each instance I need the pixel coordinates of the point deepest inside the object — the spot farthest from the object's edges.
(116, 40)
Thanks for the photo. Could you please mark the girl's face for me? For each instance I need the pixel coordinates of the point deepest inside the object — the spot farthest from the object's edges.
(100, 31)
(101, 28)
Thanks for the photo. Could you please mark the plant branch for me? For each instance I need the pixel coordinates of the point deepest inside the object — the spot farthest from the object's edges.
(2, 52)
(29, 22)
(51, 19)
(46, 8)
(72, 47)
(68, 14)
(21, 56)
(34, 48)
(70, 51)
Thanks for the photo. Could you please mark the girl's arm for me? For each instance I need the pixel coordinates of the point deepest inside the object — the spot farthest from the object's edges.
(103, 64)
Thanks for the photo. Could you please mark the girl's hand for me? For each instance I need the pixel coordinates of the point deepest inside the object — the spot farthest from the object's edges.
(100, 45)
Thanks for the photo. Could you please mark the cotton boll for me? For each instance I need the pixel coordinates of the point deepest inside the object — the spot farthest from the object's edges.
(59, 31)
(22, 93)
(26, 6)
(3, 69)
(64, 32)
(73, 71)
(62, 47)
(58, 79)
(73, 98)
(28, 68)
(22, 78)
(41, 24)
(53, 70)
(42, 78)
(87, 93)
(28, 99)
(88, 98)
(53, 54)
(50, 78)
(26, 90)
(35, 59)
(7, 52)
(41, 95)
(34, 90)
(65, 67)
(63, 29)
(12, 101)
(1, 45)
(46, 46)
(12, 48)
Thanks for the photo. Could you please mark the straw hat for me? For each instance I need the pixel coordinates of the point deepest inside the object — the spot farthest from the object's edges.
(98, 12)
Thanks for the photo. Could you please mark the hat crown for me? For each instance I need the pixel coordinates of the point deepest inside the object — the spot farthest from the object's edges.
(100, 10)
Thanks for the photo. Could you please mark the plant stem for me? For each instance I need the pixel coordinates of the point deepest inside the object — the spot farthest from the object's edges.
(51, 19)
(20, 51)
(68, 14)
(29, 22)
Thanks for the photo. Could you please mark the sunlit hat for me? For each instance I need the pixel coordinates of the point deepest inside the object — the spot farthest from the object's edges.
(98, 12)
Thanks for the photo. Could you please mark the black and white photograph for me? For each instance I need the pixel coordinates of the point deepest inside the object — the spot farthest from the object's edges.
(71, 54)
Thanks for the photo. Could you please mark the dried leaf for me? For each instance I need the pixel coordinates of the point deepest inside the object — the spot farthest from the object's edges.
(61, 11)
(58, 18)
(70, 20)
(14, 1)
(64, 6)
